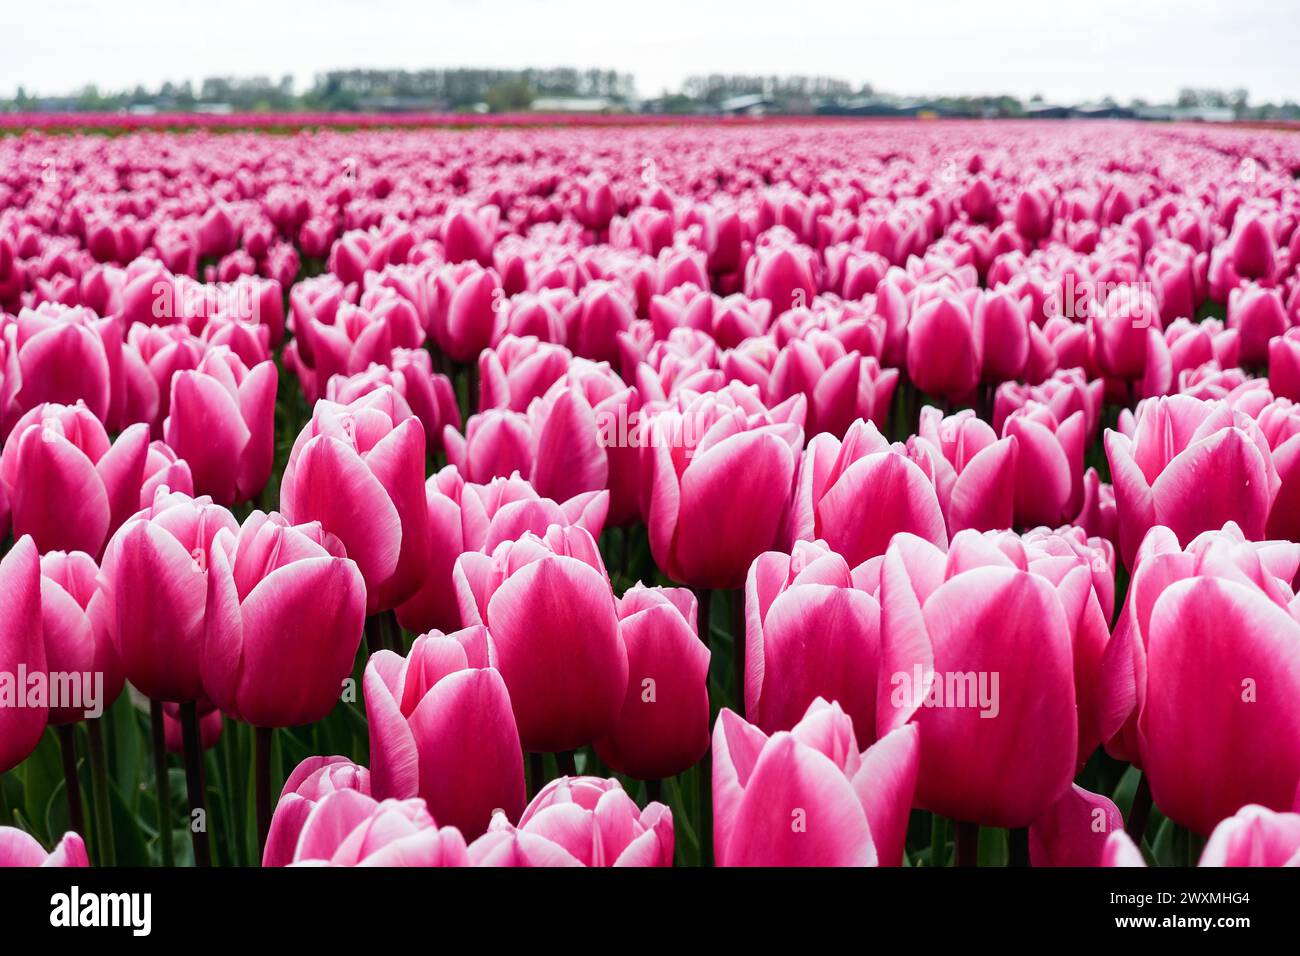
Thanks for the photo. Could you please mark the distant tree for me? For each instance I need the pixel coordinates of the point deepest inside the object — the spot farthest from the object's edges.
(509, 97)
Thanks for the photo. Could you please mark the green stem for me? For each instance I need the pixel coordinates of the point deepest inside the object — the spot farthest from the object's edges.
(100, 794)
(1136, 825)
(161, 783)
(194, 783)
(968, 844)
(71, 781)
(738, 648)
(566, 763)
(263, 782)
(938, 840)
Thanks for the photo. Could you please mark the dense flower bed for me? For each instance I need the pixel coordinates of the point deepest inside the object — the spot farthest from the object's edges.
(809, 494)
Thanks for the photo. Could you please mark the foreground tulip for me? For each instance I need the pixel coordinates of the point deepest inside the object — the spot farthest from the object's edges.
(68, 487)
(155, 579)
(1163, 473)
(978, 652)
(222, 422)
(441, 728)
(858, 493)
(22, 651)
(663, 729)
(548, 605)
(75, 624)
(579, 821)
(702, 456)
(285, 614)
(1074, 831)
(809, 633)
(1208, 658)
(1254, 836)
(18, 848)
(807, 797)
(358, 469)
(311, 781)
(350, 828)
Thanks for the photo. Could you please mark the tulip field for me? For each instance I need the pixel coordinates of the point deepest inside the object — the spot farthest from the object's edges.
(822, 493)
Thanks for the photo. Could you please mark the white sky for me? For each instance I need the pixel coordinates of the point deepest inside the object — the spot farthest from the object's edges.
(1066, 51)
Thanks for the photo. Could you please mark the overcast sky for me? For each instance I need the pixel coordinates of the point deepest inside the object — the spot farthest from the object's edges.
(1065, 51)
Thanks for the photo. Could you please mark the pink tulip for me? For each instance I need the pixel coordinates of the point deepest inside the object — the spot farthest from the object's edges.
(478, 517)
(1125, 335)
(350, 828)
(470, 233)
(1254, 836)
(518, 370)
(703, 453)
(358, 469)
(63, 356)
(222, 422)
(856, 494)
(944, 353)
(18, 848)
(1259, 316)
(75, 623)
(466, 316)
(22, 650)
(807, 797)
(809, 634)
(1066, 392)
(951, 626)
(593, 328)
(430, 396)
(1279, 421)
(162, 469)
(285, 614)
(1284, 365)
(840, 385)
(1002, 325)
(974, 471)
(154, 574)
(68, 487)
(1049, 464)
(1120, 850)
(548, 605)
(663, 729)
(441, 728)
(1162, 474)
(1252, 250)
(1197, 713)
(1075, 830)
(784, 274)
(311, 781)
(163, 351)
(579, 821)
(497, 443)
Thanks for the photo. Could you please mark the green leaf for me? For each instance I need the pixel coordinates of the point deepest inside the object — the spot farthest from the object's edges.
(42, 775)
(993, 849)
